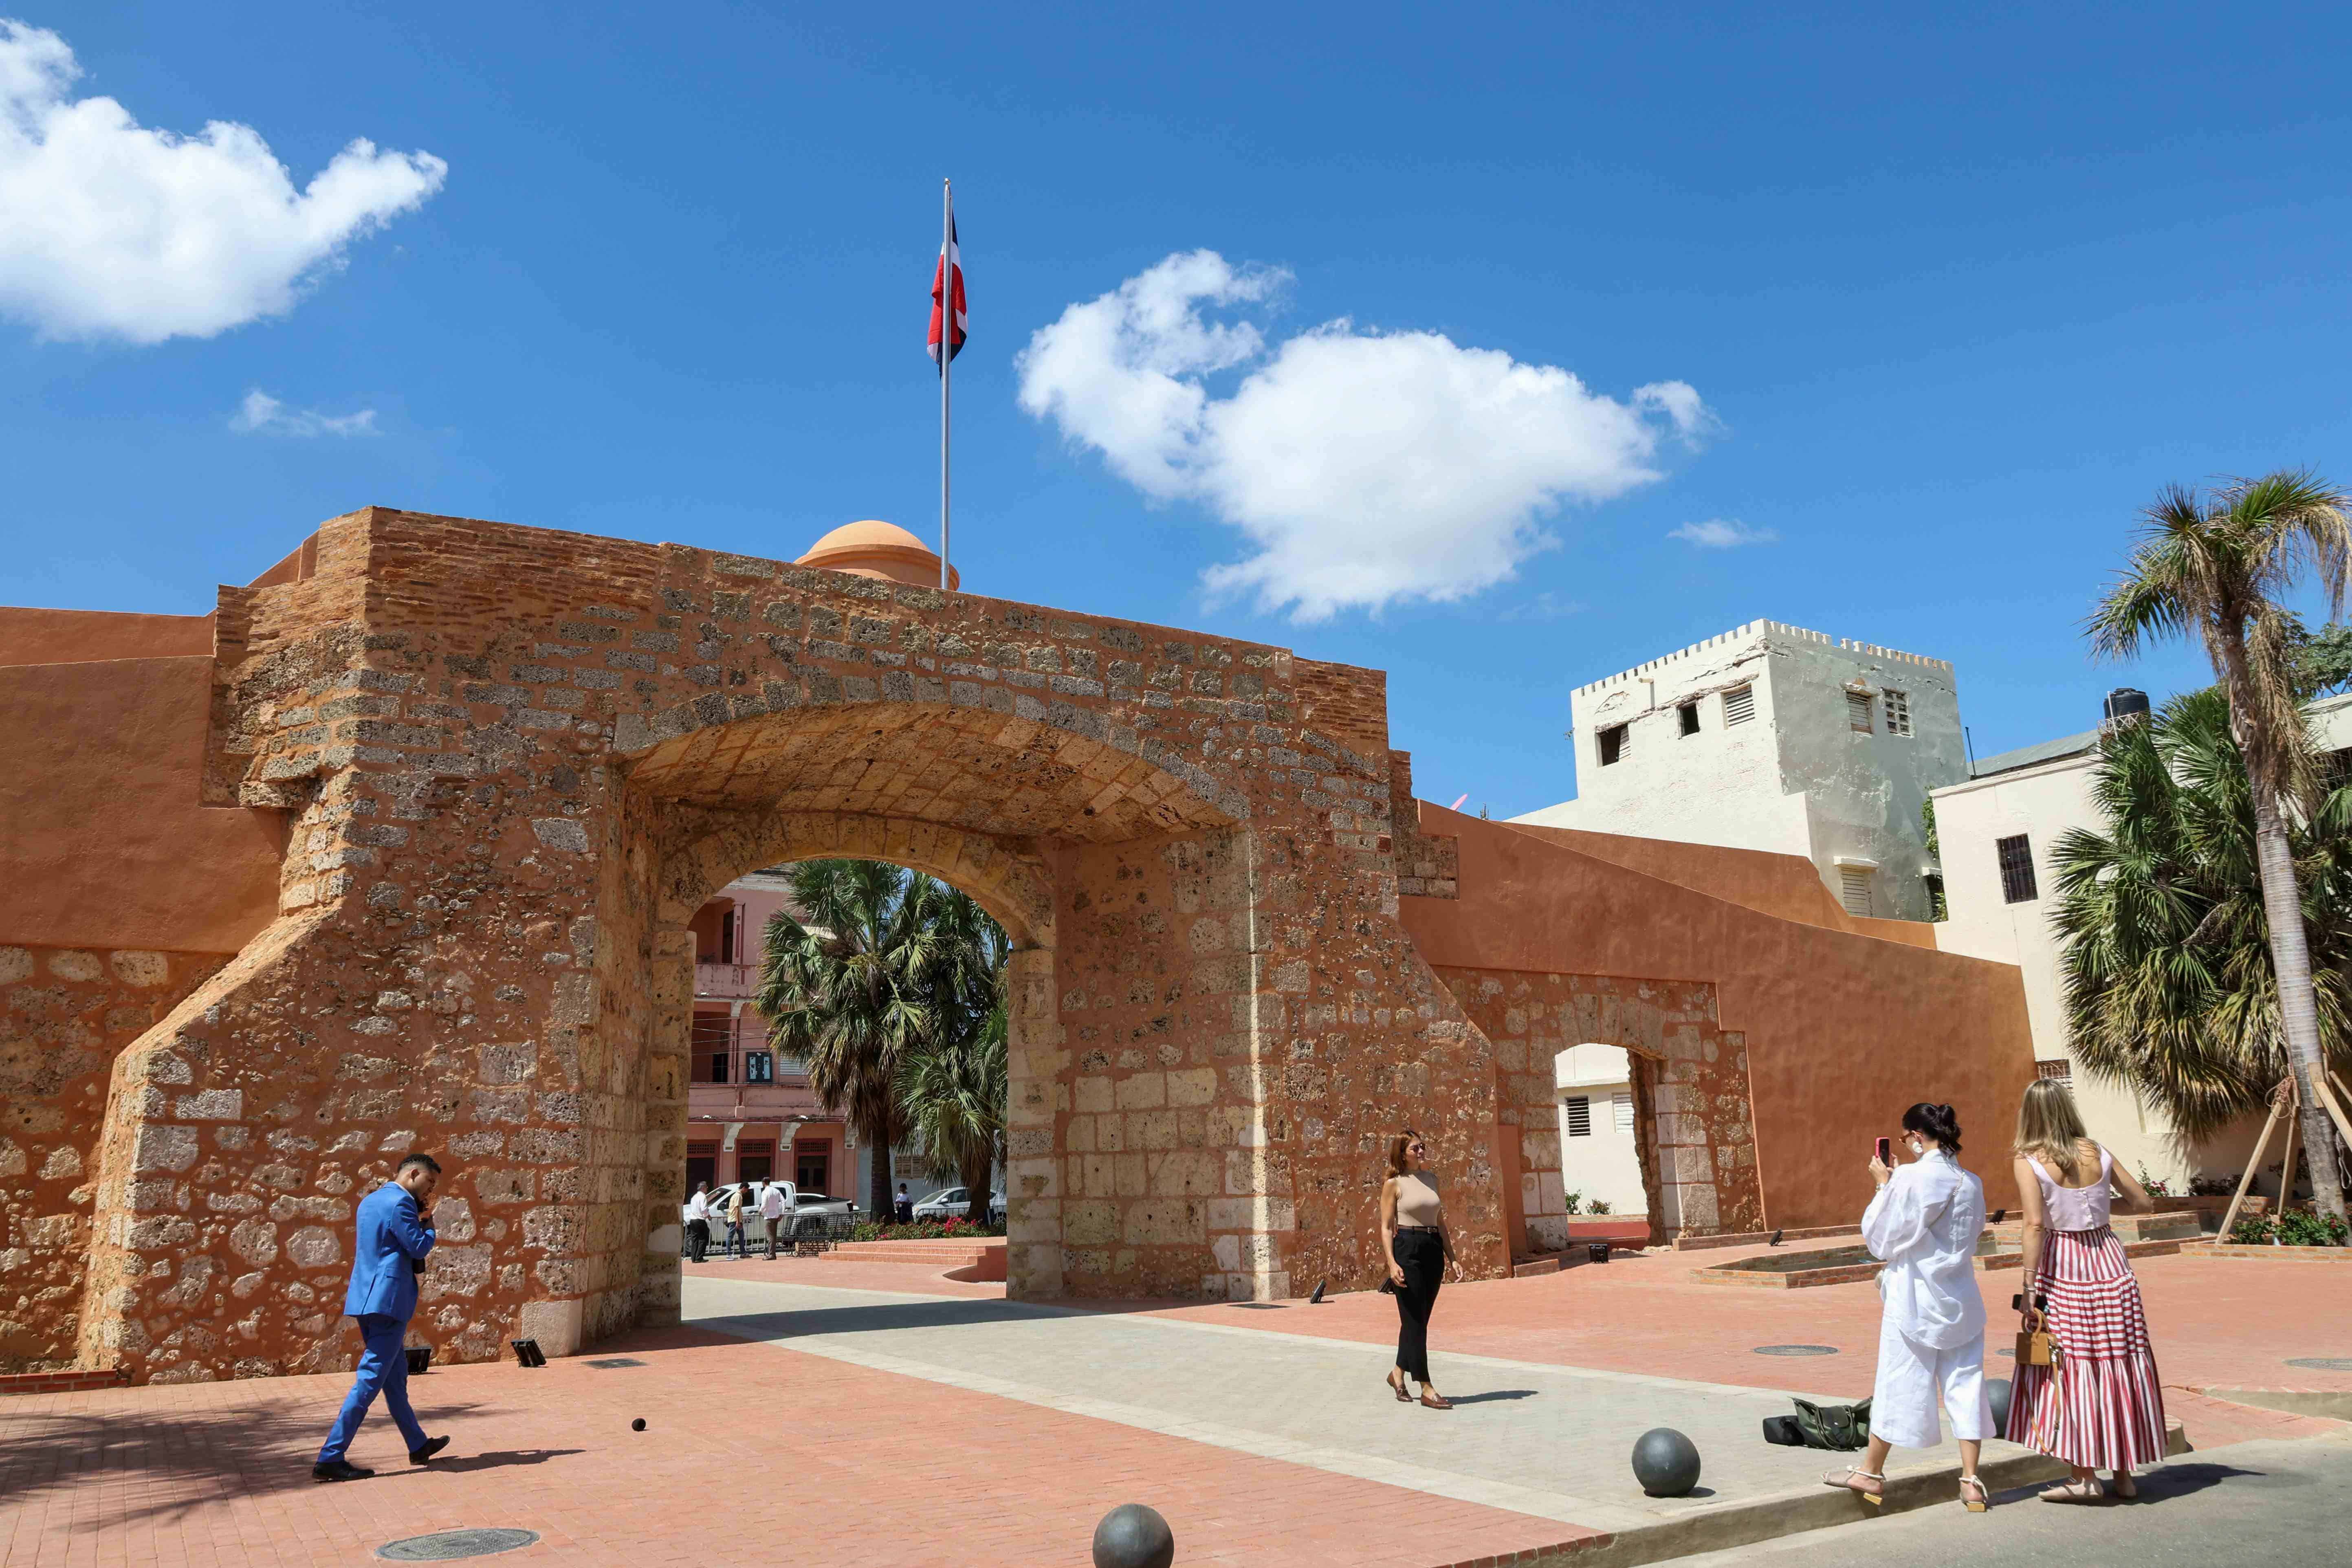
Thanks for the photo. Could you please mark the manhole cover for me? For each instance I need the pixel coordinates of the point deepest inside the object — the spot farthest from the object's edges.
(2322, 1362)
(1796, 1350)
(618, 1361)
(443, 1545)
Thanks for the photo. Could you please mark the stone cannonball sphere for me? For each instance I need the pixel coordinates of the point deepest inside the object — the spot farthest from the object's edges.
(1665, 1462)
(1134, 1536)
(1997, 1395)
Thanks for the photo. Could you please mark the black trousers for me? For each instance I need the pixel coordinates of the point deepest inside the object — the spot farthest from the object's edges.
(698, 1239)
(1421, 1256)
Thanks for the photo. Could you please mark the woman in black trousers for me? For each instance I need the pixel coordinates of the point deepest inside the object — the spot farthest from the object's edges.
(1413, 1237)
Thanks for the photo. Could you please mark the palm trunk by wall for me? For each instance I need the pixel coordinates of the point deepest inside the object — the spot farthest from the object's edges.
(977, 1161)
(877, 1181)
(2298, 1007)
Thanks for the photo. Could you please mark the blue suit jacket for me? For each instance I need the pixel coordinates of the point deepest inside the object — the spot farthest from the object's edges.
(390, 1234)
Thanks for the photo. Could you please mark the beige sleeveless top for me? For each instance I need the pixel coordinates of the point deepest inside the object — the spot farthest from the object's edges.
(1417, 1200)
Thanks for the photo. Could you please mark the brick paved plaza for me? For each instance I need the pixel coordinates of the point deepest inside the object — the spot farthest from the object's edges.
(982, 1431)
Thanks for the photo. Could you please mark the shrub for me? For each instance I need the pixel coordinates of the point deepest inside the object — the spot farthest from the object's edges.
(922, 1230)
(2157, 1188)
(1573, 1200)
(1599, 1206)
(2296, 1227)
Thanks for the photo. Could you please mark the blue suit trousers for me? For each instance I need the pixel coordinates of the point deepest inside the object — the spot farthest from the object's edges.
(384, 1366)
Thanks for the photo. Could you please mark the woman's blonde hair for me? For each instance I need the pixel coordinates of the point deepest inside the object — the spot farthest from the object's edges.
(2049, 1128)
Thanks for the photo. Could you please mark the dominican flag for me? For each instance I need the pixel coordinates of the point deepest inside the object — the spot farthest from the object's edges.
(951, 264)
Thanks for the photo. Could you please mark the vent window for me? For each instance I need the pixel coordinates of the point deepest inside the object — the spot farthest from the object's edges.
(1898, 713)
(1688, 715)
(1739, 705)
(1853, 888)
(1623, 1106)
(2016, 856)
(1580, 1116)
(1857, 711)
(1615, 742)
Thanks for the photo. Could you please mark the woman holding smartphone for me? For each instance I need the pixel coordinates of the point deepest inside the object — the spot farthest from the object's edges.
(1922, 1225)
(1418, 1249)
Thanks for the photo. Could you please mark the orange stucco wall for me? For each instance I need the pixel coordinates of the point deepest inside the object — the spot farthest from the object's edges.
(1842, 1030)
(102, 842)
(81, 636)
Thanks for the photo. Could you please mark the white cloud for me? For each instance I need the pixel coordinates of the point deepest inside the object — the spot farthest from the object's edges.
(262, 415)
(1722, 534)
(111, 230)
(1364, 467)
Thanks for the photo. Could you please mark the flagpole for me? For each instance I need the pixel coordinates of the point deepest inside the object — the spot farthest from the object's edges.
(947, 354)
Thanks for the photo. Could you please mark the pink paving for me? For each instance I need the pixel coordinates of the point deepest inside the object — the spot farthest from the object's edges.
(218, 1475)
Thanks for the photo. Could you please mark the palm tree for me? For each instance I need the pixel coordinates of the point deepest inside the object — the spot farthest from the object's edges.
(883, 964)
(2169, 984)
(2216, 564)
(953, 1090)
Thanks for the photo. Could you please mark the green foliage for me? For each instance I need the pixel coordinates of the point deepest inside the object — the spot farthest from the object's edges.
(888, 966)
(2323, 659)
(951, 1229)
(1937, 908)
(2296, 1227)
(1574, 1202)
(1599, 1206)
(2169, 988)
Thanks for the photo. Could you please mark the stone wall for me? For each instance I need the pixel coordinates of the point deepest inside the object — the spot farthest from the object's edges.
(516, 761)
(1694, 1125)
(65, 1013)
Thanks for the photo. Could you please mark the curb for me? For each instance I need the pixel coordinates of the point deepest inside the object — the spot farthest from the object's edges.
(1790, 1514)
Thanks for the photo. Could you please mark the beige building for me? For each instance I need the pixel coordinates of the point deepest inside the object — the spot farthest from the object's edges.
(1776, 738)
(1996, 833)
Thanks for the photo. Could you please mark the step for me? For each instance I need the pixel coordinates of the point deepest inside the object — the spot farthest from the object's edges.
(69, 1380)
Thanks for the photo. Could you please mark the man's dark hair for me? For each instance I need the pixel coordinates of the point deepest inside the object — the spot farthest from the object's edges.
(427, 1161)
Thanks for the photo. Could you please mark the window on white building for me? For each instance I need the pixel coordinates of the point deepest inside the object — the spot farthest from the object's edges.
(1857, 711)
(1898, 713)
(1615, 743)
(1688, 712)
(1623, 1106)
(2062, 1069)
(1853, 888)
(2017, 884)
(1580, 1116)
(1739, 705)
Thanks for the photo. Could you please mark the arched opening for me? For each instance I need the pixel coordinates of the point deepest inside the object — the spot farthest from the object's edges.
(1030, 819)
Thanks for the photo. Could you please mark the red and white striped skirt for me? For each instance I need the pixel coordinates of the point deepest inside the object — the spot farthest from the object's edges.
(2101, 1406)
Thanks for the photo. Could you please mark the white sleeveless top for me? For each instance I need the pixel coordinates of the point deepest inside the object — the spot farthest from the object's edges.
(2076, 1208)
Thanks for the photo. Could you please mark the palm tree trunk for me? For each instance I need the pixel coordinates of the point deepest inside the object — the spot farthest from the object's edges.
(2298, 1005)
(976, 1163)
(877, 1181)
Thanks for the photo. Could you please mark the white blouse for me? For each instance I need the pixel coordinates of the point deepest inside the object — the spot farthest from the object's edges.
(1923, 1224)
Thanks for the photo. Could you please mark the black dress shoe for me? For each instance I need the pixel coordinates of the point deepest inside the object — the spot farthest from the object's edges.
(338, 1470)
(431, 1447)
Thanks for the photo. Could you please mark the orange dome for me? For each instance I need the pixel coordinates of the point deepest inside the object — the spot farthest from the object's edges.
(883, 551)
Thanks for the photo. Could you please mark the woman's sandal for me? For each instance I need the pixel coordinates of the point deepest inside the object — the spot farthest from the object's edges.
(1396, 1386)
(1435, 1401)
(2087, 1489)
(1978, 1503)
(1875, 1494)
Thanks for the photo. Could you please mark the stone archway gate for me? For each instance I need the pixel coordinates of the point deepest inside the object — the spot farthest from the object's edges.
(515, 762)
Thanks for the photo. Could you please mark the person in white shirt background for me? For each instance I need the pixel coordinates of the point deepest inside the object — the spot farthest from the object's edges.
(772, 1209)
(1924, 1226)
(697, 1223)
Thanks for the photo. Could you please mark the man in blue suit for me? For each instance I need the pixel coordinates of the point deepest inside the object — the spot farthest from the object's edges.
(387, 1256)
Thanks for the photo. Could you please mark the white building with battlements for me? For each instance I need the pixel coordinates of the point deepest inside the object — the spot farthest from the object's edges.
(1773, 737)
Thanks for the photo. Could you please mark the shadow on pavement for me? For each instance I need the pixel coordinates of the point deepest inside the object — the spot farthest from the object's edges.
(504, 1459)
(1492, 1394)
(187, 1459)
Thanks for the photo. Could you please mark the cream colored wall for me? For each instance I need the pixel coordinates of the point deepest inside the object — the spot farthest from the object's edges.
(1605, 1164)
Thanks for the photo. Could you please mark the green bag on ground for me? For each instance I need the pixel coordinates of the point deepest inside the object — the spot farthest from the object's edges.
(1841, 1427)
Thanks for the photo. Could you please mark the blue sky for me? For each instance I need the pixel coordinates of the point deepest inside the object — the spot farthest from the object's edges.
(1956, 297)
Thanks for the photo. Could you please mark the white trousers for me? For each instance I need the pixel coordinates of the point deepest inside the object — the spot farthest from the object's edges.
(1914, 1379)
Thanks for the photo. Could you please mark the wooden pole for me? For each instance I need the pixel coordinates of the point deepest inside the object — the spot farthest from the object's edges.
(2253, 1164)
(2287, 1166)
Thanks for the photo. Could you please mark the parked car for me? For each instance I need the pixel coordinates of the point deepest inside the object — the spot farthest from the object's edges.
(806, 1215)
(955, 1202)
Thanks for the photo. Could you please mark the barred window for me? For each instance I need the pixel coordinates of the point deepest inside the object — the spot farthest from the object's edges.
(1898, 713)
(1857, 711)
(2017, 884)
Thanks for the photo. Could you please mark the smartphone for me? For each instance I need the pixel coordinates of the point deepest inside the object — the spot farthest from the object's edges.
(1886, 1151)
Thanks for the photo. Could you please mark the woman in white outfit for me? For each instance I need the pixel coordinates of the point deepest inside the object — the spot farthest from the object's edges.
(1923, 1224)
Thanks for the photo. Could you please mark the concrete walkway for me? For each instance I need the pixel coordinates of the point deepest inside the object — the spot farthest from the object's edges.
(1530, 1437)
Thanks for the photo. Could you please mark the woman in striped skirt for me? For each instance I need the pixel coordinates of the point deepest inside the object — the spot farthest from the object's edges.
(2098, 1407)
